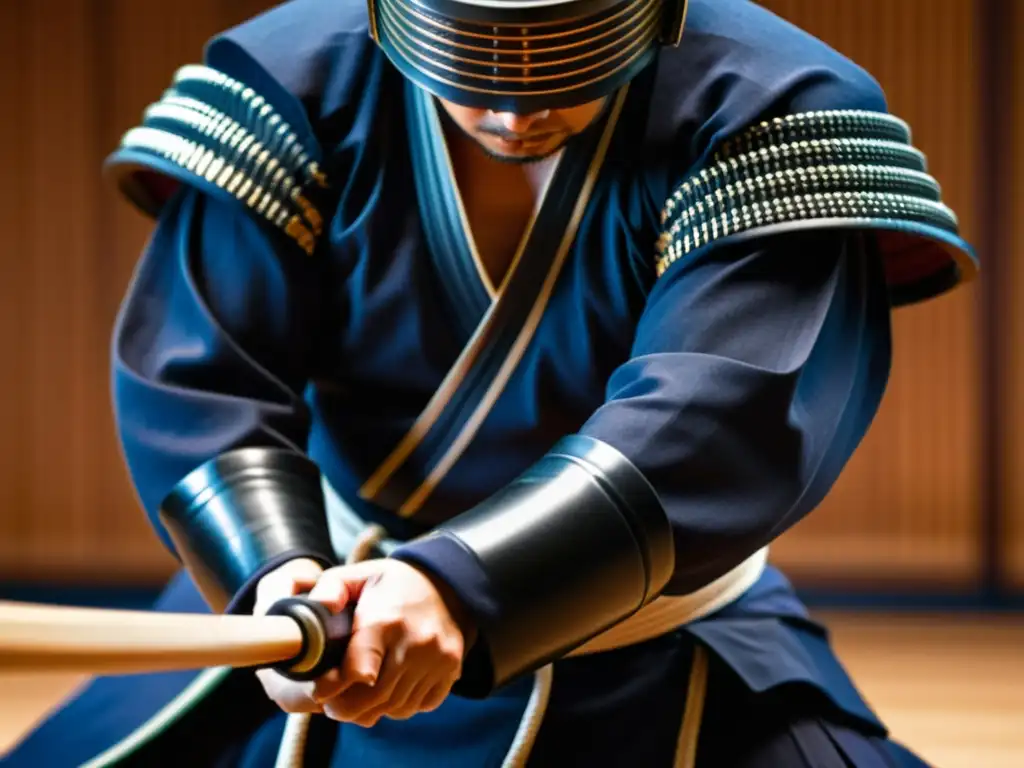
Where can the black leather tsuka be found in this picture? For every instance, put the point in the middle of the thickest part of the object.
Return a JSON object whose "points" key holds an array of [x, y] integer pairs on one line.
{"points": [[241, 514], [573, 546]]}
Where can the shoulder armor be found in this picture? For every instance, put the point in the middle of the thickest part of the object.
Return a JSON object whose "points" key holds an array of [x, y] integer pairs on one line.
{"points": [[216, 133], [842, 169]]}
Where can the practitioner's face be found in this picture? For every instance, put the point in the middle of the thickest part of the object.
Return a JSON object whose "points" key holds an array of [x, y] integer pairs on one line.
{"points": [[523, 138]]}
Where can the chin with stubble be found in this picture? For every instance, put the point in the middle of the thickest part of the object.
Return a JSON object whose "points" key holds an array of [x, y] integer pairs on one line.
{"points": [[513, 138], [509, 147]]}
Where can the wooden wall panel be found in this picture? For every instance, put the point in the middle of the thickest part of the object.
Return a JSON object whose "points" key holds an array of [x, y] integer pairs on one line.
{"points": [[15, 487], [83, 70], [1013, 342], [909, 506], [79, 72]]}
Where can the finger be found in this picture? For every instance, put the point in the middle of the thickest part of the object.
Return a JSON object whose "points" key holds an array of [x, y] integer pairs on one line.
{"points": [[403, 702], [331, 590], [364, 658], [335, 587], [290, 696], [435, 697], [389, 707], [328, 685], [364, 708], [295, 576], [427, 696], [353, 702]]}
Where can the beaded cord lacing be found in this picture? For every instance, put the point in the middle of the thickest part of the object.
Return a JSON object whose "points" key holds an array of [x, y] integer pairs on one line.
{"points": [[217, 128], [839, 164]]}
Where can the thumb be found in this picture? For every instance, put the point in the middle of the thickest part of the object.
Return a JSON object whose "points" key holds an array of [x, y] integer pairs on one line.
{"points": [[337, 587], [291, 578]]}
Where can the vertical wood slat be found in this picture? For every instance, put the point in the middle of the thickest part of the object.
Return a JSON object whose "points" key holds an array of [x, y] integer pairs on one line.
{"points": [[61, 324], [908, 508], [83, 71], [15, 487], [1013, 341]]}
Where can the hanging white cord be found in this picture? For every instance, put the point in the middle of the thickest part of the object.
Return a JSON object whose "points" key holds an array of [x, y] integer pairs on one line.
{"points": [[693, 710], [292, 752], [522, 744]]}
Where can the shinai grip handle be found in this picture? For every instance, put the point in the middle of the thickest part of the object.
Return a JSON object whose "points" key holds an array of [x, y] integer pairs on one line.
{"points": [[325, 637]]}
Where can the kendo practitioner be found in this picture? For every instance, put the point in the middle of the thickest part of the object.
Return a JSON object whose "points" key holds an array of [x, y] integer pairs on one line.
{"points": [[525, 328]]}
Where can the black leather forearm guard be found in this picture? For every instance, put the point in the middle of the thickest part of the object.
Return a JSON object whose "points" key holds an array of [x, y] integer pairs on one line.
{"points": [[573, 546], [242, 514]]}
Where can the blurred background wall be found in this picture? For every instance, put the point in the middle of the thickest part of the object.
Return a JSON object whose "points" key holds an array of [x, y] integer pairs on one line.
{"points": [[932, 503]]}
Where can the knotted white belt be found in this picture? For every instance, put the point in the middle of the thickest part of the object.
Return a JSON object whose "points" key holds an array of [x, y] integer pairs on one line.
{"points": [[663, 614], [351, 542], [352, 539]]}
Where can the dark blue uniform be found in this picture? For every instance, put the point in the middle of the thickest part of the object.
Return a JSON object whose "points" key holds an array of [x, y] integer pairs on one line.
{"points": [[738, 377]]}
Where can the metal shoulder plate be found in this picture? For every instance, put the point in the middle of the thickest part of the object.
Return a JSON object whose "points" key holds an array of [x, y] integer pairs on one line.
{"points": [[843, 169], [215, 133]]}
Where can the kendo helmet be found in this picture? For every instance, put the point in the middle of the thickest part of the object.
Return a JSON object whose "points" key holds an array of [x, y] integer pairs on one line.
{"points": [[523, 56]]}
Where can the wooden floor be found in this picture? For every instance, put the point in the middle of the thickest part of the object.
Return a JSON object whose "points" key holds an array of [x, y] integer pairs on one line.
{"points": [[952, 688]]}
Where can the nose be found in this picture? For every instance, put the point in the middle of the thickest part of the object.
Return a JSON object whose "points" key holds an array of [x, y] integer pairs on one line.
{"points": [[521, 123]]}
